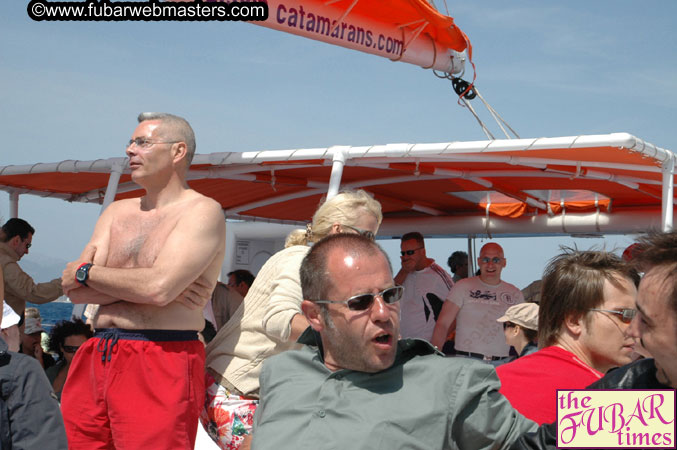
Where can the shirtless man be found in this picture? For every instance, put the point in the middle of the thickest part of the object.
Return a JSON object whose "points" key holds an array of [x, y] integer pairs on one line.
{"points": [[151, 264]]}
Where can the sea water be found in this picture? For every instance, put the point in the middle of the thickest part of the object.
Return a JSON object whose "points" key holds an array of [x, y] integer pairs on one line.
{"points": [[53, 312]]}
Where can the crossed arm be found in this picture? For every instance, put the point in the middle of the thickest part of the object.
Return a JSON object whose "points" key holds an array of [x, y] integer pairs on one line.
{"points": [[180, 271]]}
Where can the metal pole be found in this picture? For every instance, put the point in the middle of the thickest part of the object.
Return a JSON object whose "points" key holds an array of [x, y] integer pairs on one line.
{"points": [[339, 161], [13, 205], [667, 203], [111, 190], [471, 259]]}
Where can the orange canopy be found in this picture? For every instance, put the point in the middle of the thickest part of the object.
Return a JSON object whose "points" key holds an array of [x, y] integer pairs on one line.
{"points": [[608, 183]]}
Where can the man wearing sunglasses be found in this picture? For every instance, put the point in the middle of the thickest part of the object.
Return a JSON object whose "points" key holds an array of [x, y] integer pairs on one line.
{"points": [[587, 304], [426, 285], [16, 238], [475, 303], [654, 324], [355, 385]]}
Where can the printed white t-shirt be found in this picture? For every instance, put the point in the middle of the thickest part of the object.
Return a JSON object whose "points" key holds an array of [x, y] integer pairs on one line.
{"points": [[480, 305]]}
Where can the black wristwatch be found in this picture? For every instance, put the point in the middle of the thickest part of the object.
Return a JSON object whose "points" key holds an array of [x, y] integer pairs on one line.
{"points": [[82, 274]]}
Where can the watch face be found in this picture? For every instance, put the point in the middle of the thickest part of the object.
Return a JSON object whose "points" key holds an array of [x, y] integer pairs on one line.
{"points": [[81, 273]]}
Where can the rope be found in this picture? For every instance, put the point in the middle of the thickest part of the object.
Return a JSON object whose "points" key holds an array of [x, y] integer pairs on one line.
{"points": [[416, 33], [402, 52], [486, 225], [468, 91], [339, 21], [432, 64], [108, 341], [484, 127], [497, 117]]}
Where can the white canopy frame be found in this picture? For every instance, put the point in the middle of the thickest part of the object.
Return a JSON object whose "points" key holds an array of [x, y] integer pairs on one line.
{"points": [[244, 166]]}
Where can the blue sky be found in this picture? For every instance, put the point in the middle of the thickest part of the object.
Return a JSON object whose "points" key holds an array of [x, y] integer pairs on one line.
{"points": [[72, 90]]}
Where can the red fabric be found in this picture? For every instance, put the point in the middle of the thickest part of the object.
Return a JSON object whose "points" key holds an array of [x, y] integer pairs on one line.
{"points": [[148, 396], [530, 383]]}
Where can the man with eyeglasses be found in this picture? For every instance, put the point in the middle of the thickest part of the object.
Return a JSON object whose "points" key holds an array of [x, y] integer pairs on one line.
{"points": [[355, 385], [426, 285], [475, 303], [587, 304], [151, 265], [16, 239], [654, 325]]}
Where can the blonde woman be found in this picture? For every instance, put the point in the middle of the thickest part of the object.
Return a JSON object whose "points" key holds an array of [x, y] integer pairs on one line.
{"points": [[270, 320]]}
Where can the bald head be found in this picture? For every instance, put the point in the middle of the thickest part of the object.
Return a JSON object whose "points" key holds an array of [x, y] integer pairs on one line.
{"points": [[492, 247], [491, 263]]}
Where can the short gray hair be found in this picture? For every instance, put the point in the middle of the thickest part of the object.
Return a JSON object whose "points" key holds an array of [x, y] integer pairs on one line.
{"points": [[174, 128], [316, 281]]}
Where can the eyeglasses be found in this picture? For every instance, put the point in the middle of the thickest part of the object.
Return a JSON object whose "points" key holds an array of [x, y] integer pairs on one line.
{"points": [[495, 260], [142, 142], [364, 301], [626, 314], [366, 233], [410, 252], [70, 348], [28, 246], [507, 325]]}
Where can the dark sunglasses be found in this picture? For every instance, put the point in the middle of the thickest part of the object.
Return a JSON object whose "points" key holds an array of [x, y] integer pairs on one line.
{"points": [[507, 325], [70, 348], [364, 301], [410, 252], [626, 314], [495, 260], [366, 233]]}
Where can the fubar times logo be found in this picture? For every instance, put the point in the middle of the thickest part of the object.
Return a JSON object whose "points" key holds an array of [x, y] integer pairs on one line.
{"points": [[616, 418]]}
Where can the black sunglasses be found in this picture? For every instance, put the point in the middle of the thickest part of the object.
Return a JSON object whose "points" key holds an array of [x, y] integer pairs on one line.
{"points": [[495, 260], [626, 314], [366, 233], [410, 252], [70, 348], [364, 301]]}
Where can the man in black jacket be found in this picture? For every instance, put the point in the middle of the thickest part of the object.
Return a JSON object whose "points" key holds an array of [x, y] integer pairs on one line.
{"points": [[656, 322], [29, 412], [655, 325]]}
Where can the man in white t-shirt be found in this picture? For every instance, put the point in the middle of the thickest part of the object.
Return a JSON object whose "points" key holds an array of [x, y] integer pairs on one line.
{"points": [[426, 285], [475, 303]]}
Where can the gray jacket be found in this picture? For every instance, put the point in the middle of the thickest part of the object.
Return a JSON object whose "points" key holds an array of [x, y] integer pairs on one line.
{"points": [[30, 417], [423, 401]]}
